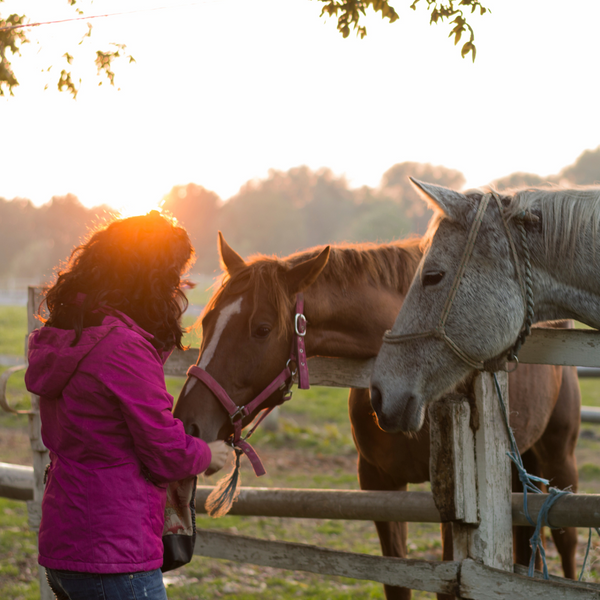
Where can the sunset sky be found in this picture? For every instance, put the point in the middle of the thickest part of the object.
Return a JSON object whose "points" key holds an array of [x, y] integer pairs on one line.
{"points": [[223, 90]]}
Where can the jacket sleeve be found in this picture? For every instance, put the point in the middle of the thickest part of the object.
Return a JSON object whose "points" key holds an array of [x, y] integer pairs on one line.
{"points": [[134, 374]]}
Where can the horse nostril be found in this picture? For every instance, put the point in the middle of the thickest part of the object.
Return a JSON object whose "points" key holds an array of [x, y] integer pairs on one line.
{"points": [[193, 430], [376, 399]]}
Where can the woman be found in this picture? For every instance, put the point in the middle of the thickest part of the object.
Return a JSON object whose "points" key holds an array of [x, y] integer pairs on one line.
{"points": [[97, 365]]}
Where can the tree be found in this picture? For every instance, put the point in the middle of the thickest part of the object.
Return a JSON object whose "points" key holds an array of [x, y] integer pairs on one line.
{"points": [[584, 171], [350, 12], [197, 209], [520, 180], [35, 240], [396, 184], [15, 28], [14, 33]]}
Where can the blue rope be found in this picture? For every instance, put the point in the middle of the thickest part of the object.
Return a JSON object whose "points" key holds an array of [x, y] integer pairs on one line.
{"points": [[587, 550], [553, 495]]}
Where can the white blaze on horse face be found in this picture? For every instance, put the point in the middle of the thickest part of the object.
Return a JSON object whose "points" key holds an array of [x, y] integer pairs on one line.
{"points": [[231, 309]]}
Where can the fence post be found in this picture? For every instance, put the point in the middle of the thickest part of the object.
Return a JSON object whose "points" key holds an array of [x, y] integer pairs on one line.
{"points": [[40, 452], [471, 475]]}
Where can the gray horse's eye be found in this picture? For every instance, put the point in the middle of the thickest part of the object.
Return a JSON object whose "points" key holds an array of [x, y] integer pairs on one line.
{"points": [[432, 277]]}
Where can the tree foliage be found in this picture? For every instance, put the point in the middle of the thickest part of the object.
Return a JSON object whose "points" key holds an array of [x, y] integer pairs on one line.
{"points": [[396, 184], [15, 32], [584, 171], [520, 180], [282, 213], [350, 14]]}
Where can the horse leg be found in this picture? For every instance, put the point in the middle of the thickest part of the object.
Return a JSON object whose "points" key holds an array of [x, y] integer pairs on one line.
{"points": [[556, 453], [522, 535], [566, 538], [447, 553], [392, 535]]}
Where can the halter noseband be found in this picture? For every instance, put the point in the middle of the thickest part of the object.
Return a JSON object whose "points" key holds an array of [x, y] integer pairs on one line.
{"points": [[283, 382], [439, 331]]}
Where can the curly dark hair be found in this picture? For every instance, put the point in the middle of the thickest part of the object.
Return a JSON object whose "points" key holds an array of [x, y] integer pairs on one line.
{"points": [[134, 265]]}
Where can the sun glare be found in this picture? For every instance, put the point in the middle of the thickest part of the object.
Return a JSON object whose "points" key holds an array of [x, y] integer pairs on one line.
{"points": [[141, 207]]}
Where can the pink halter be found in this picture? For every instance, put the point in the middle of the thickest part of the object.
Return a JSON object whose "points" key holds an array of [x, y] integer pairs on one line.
{"points": [[283, 381]]}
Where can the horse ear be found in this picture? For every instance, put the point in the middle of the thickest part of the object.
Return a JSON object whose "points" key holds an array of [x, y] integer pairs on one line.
{"points": [[231, 261], [452, 204], [303, 275]]}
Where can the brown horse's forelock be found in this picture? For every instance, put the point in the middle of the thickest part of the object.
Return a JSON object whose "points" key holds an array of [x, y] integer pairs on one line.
{"points": [[388, 265], [260, 272]]}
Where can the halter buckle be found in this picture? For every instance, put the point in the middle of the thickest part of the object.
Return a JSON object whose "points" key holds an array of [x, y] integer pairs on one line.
{"points": [[514, 358], [295, 371], [297, 323], [238, 415]]}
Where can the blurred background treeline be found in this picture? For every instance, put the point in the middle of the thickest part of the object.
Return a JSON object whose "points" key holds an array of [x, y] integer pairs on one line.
{"points": [[285, 212]]}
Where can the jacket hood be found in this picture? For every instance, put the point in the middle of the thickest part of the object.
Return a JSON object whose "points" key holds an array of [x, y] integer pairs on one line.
{"points": [[52, 360]]}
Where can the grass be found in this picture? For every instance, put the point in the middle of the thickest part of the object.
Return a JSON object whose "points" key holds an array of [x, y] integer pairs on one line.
{"points": [[13, 325], [312, 448], [590, 392]]}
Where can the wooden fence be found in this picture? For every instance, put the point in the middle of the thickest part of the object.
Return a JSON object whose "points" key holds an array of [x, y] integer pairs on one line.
{"points": [[473, 494]]}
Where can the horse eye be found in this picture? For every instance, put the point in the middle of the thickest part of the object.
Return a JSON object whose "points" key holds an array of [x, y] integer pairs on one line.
{"points": [[432, 277], [262, 331]]}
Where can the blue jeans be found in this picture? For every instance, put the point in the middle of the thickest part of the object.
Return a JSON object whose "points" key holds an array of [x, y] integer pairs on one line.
{"points": [[71, 585]]}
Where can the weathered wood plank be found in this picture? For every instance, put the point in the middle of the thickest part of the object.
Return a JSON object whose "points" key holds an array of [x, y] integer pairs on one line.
{"points": [[523, 570], [574, 510], [180, 361], [492, 541], [332, 372], [41, 455], [571, 510], [452, 460], [480, 582], [414, 507], [436, 577], [577, 347], [590, 414], [4, 404], [16, 482]]}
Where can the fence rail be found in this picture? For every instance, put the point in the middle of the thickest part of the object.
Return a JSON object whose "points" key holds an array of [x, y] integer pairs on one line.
{"points": [[574, 510]]}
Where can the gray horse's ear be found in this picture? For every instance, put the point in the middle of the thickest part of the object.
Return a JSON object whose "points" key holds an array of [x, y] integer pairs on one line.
{"points": [[452, 204], [303, 275], [231, 261]]}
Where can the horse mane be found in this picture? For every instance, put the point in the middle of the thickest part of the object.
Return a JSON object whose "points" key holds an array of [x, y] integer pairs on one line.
{"points": [[387, 265], [566, 214], [562, 211]]}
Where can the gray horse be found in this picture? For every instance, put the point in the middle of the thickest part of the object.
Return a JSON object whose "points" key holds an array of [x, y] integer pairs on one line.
{"points": [[493, 265]]}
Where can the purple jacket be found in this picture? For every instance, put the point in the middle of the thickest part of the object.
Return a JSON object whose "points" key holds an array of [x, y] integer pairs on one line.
{"points": [[107, 421]]}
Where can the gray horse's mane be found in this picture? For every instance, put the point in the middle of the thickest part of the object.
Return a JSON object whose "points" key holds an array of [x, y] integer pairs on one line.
{"points": [[566, 214]]}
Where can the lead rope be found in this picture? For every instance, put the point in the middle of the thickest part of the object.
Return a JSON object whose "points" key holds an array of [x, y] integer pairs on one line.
{"points": [[528, 485], [226, 491]]}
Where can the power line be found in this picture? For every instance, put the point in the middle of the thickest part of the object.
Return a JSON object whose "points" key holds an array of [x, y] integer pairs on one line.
{"points": [[12, 27]]}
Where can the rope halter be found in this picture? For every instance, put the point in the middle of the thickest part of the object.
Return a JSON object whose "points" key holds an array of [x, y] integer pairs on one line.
{"points": [[526, 286]]}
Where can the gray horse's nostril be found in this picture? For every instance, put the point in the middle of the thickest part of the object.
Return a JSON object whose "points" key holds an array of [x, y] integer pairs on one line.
{"points": [[193, 430], [376, 399]]}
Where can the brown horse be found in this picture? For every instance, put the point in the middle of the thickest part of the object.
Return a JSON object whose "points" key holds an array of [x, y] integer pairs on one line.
{"points": [[352, 296]]}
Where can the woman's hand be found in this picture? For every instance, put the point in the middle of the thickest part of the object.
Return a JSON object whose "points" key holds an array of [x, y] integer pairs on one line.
{"points": [[220, 452]]}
